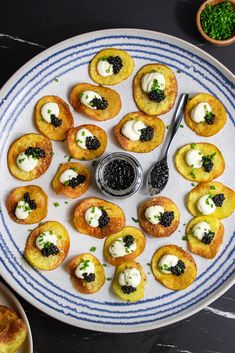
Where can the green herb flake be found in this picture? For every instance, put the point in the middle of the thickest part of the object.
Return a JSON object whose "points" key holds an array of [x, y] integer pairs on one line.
{"points": [[93, 249], [109, 279], [74, 169], [212, 187], [66, 202], [135, 220], [56, 80], [192, 173], [193, 145], [56, 204], [184, 237], [193, 184], [182, 126]]}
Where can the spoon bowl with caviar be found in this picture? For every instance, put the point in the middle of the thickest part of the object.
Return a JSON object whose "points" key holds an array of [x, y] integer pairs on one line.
{"points": [[158, 175]]}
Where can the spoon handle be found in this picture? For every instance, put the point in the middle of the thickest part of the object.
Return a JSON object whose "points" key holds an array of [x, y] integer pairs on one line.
{"points": [[177, 119]]}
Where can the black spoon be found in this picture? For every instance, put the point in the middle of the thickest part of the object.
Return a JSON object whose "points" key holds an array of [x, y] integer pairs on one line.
{"points": [[158, 175]]}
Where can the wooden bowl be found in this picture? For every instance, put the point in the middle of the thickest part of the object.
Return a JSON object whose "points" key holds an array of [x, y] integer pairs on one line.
{"points": [[225, 42]]}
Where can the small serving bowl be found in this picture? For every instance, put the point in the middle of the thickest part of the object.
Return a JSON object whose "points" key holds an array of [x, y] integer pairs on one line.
{"points": [[119, 194], [225, 42]]}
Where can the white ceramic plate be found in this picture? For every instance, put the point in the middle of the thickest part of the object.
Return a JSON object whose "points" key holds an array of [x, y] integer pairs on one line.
{"points": [[55, 71], [9, 300]]}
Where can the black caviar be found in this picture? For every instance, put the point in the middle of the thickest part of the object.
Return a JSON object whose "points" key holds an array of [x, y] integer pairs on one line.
{"points": [[92, 143], [210, 118], [74, 182], [128, 289], [104, 219], [166, 218], [119, 174], [208, 237], [178, 269], [159, 175], [157, 95], [146, 134], [32, 204], [116, 61], [55, 121], [89, 277], [49, 249], [98, 103], [218, 200], [128, 240], [35, 152], [207, 164]]}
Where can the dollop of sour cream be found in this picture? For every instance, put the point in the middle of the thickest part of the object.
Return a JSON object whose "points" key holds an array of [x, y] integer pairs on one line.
{"points": [[81, 136], [88, 96], [148, 81], [130, 277], [167, 261], [194, 158], [22, 210], [118, 248], [68, 175], [153, 213], [46, 237], [26, 163], [49, 109], [104, 68], [92, 216], [85, 266], [199, 111], [132, 129], [206, 205], [200, 229]]}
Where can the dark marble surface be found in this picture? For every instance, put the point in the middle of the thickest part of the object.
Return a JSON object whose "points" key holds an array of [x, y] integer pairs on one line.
{"points": [[26, 28]]}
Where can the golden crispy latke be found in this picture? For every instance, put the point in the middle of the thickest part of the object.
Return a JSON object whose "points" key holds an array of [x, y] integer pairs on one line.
{"points": [[203, 129], [172, 281], [141, 98], [140, 245], [158, 230], [199, 174], [85, 154], [113, 98], [54, 133], [20, 145], [123, 74], [36, 193], [116, 214], [138, 146], [80, 284], [139, 293]]}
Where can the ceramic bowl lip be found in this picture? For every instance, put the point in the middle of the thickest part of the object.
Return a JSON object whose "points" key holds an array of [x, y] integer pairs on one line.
{"points": [[225, 42], [119, 194]]}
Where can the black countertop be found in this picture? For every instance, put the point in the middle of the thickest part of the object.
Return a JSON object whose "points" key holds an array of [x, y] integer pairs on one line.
{"points": [[26, 28]]}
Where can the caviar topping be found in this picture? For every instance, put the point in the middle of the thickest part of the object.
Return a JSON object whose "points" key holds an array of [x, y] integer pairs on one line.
{"points": [[147, 134], [55, 121], [104, 219], [89, 277], [128, 289], [209, 118], [32, 204], [178, 269], [208, 237], [207, 163], [92, 143], [98, 103], [218, 200], [128, 240], [166, 218], [35, 152], [49, 249], [119, 175], [156, 94], [116, 62], [74, 182]]}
